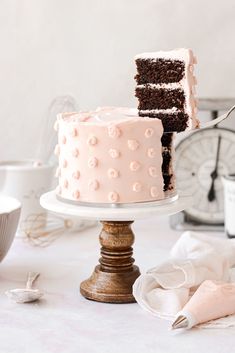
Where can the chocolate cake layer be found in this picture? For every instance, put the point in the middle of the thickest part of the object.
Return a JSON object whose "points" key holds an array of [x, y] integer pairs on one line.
{"points": [[166, 156], [159, 71], [167, 140], [152, 98], [171, 122], [167, 178]]}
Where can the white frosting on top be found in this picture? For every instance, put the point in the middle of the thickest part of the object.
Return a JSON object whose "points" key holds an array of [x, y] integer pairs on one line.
{"points": [[161, 111], [173, 85], [176, 54], [100, 115]]}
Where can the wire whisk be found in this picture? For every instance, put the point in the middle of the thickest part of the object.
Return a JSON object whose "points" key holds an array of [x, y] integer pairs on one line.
{"points": [[44, 228]]}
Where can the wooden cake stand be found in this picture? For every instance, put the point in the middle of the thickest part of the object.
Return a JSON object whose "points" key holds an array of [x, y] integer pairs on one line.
{"points": [[112, 279]]}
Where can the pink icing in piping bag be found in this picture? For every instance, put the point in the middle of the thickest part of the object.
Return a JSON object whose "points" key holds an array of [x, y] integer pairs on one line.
{"points": [[211, 301]]}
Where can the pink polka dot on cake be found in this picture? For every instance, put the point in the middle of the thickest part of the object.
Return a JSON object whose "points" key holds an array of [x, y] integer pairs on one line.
{"points": [[113, 131], [149, 132], [66, 184], [92, 140], [153, 172], [154, 191], [73, 132], [133, 145], [151, 152], [137, 187], [112, 173], [93, 185], [76, 175], [75, 152], [92, 162], [76, 194], [114, 153], [134, 166], [113, 196]]}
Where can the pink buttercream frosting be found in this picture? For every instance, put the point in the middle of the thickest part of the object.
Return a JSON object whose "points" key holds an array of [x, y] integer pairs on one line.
{"points": [[73, 132], [92, 140], [76, 174], [133, 144], [93, 185], [137, 187], [149, 132], [154, 191], [113, 173], [92, 162], [113, 196], [113, 131], [153, 171], [75, 152], [114, 156], [76, 194], [212, 300], [114, 153], [151, 152], [134, 166]]}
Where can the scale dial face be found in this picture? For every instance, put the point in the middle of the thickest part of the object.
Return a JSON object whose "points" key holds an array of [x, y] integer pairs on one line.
{"points": [[195, 161]]}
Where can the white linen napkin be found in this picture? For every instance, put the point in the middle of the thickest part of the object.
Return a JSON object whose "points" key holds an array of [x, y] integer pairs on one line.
{"points": [[195, 257]]}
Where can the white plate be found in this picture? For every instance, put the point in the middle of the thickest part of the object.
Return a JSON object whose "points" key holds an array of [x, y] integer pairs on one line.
{"points": [[125, 213]]}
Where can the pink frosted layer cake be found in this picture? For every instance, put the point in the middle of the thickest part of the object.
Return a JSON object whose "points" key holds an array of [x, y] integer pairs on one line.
{"points": [[166, 88], [109, 156]]}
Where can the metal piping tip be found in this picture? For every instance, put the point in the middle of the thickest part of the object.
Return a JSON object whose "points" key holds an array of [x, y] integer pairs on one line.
{"points": [[180, 322]]}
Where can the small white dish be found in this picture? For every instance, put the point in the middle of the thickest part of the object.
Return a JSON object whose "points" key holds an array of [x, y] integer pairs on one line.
{"points": [[9, 219]]}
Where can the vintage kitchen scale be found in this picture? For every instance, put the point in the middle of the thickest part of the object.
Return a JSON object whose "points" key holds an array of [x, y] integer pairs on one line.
{"points": [[201, 159], [112, 280]]}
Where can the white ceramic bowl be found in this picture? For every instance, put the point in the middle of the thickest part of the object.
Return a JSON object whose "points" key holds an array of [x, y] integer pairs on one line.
{"points": [[9, 218], [26, 181]]}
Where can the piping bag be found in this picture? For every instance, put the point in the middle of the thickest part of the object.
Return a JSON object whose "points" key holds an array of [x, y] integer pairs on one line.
{"points": [[212, 300]]}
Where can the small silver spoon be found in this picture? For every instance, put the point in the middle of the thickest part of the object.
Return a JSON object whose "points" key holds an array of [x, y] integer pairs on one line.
{"points": [[28, 294]]}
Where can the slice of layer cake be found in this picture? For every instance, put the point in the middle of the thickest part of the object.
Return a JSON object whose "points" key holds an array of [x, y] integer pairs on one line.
{"points": [[166, 88], [109, 156]]}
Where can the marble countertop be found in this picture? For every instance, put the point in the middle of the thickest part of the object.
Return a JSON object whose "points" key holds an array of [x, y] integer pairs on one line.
{"points": [[66, 322]]}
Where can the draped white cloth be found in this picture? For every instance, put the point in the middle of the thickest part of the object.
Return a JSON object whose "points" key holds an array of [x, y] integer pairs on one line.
{"points": [[195, 257]]}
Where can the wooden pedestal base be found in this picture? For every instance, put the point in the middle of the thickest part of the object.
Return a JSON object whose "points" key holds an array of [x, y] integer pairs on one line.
{"points": [[112, 280]]}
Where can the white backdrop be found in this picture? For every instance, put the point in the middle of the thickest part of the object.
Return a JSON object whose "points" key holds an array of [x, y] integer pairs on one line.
{"points": [[86, 47]]}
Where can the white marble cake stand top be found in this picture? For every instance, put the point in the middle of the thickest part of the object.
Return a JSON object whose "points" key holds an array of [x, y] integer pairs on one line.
{"points": [[50, 202]]}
